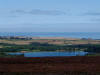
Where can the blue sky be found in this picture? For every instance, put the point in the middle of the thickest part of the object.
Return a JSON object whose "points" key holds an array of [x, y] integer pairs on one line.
{"points": [[49, 15]]}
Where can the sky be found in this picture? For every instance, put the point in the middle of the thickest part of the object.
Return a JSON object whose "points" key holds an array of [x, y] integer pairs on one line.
{"points": [[49, 15]]}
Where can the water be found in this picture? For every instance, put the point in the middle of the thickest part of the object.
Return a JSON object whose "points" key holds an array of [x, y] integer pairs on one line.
{"points": [[94, 35], [51, 54]]}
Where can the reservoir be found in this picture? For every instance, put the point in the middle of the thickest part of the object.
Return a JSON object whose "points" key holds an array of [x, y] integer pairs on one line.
{"points": [[50, 54]]}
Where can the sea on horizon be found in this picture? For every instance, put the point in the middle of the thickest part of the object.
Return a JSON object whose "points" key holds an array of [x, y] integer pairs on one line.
{"points": [[93, 35]]}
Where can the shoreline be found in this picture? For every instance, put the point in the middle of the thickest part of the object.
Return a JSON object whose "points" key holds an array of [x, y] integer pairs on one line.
{"points": [[93, 35], [45, 38]]}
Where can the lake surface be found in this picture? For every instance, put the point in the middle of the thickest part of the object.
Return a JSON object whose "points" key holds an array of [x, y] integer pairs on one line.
{"points": [[50, 54], [94, 35]]}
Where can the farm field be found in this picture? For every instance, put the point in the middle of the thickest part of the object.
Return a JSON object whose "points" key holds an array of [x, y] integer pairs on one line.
{"points": [[50, 40], [48, 44]]}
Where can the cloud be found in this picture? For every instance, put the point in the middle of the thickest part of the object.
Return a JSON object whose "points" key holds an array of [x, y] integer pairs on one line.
{"points": [[92, 13], [18, 11], [96, 20], [40, 12]]}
